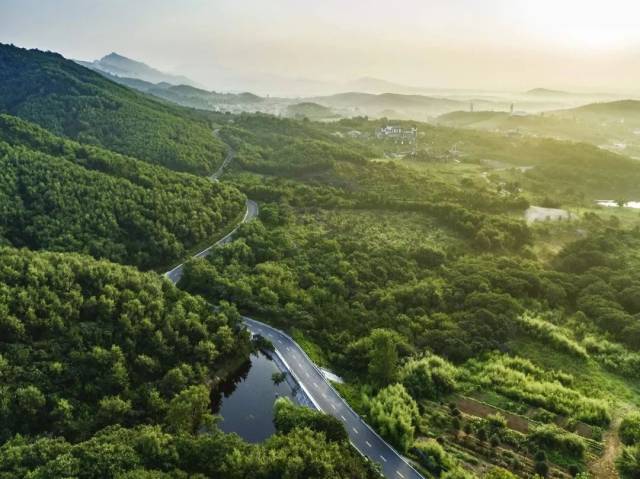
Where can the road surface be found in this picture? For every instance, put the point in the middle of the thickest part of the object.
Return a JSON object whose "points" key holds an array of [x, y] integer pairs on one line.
{"points": [[326, 399], [250, 213], [228, 159]]}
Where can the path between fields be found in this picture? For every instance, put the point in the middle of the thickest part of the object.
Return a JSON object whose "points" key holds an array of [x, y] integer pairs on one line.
{"points": [[605, 466]]}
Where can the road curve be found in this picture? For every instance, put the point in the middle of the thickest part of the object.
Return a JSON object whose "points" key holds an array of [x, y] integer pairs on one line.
{"points": [[327, 400], [231, 154], [250, 213]]}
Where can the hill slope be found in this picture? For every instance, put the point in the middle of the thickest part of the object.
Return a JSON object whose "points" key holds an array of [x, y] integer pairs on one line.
{"points": [[76, 102], [59, 195]]}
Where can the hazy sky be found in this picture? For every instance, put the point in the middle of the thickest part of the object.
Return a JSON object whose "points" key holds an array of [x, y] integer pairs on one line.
{"points": [[255, 44]]}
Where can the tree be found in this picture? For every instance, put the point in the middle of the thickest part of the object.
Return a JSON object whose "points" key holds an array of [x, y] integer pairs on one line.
{"points": [[29, 400], [394, 413], [278, 377], [383, 357], [429, 377], [113, 410], [188, 412], [287, 417]]}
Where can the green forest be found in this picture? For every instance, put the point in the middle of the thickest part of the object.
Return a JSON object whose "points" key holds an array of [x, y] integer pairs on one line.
{"points": [[65, 196], [75, 102], [477, 342]]}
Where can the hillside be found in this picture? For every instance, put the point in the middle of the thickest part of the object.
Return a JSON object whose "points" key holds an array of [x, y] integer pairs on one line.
{"points": [[78, 103], [310, 110], [613, 126], [621, 110], [460, 331], [60, 195]]}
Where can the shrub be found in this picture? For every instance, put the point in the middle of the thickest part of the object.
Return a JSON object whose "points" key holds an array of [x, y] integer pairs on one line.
{"points": [[432, 456], [554, 335], [552, 437], [429, 377], [630, 429], [394, 414], [628, 463], [541, 468]]}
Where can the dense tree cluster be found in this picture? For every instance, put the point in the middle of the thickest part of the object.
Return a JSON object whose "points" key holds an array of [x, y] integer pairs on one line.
{"points": [[73, 101], [85, 344], [269, 145], [60, 195], [304, 451]]}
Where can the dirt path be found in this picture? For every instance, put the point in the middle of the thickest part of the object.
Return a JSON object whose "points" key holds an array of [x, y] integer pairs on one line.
{"points": [[605, 466]]}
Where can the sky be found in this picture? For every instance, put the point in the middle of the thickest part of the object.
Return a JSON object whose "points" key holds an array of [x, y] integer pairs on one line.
{"points": [[304, 46]]}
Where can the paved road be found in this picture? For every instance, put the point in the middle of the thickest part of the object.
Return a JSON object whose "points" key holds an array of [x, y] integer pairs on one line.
{"points": [[326, 399], [251, 212], [228, 159]]}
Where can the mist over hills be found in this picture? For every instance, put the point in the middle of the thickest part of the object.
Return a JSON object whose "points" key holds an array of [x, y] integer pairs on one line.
{"points": [[121, 66], [368, 96]]}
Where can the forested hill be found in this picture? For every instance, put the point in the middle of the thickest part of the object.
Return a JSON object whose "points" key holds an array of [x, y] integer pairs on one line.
{"points": [[106, 373], [60, 195], [85, 344], [74, 101]]}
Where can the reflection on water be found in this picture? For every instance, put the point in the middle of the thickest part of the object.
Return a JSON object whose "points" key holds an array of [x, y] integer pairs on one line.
{"points": [[245, 401]]}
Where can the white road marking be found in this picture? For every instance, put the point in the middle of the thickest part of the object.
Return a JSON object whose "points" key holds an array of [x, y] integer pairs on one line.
{"points": [[315, 385], [355, 430], [343, 418], [300, 365], [333, 406], [400, 474], [368, 443], [382, 457]]}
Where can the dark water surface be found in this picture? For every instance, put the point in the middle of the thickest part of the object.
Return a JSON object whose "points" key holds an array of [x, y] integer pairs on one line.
{"points": [[245, 401]]}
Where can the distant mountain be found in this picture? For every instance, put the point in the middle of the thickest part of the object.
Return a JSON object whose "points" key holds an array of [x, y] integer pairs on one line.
{"points": [[417, 107], [548, 93], [121, 66], [187, 95], [78, 103], [377, 85], [310, 110], [620, 109]]}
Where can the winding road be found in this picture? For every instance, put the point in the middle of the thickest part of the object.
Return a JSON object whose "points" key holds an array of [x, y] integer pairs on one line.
{"points": [[324, 397], [250, 213]]}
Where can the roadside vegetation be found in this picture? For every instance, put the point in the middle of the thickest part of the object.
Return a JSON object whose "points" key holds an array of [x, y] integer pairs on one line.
{"points": [[423, 289]]}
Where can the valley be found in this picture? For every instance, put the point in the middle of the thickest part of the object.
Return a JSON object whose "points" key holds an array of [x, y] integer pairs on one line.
{"points": [[474, 287]]}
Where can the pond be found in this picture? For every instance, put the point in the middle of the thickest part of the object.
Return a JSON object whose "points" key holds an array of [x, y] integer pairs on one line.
{"points": [[245, 401]]}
